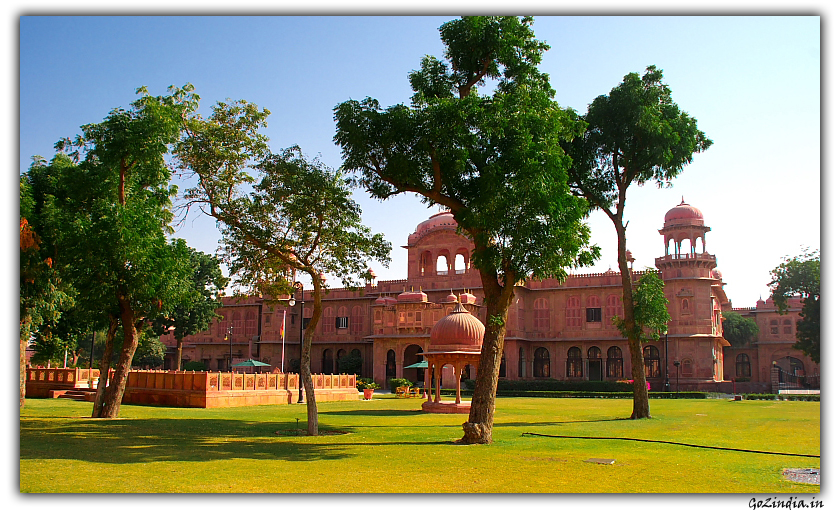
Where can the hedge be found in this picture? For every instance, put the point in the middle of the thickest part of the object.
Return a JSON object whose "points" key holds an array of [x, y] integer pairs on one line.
{"points": [[785, 396], [557, 385], [583, 394]]}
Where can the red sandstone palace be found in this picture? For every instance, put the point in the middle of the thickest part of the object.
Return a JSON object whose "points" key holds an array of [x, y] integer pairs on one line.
{"points": [[555, 330]]}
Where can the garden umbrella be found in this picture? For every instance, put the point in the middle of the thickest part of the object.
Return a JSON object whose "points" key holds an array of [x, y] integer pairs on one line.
{"points": [[419, 364], [251, 363]]}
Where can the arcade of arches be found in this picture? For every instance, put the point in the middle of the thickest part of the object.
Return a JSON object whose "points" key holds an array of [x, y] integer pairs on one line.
{"points": [[561, 331]]}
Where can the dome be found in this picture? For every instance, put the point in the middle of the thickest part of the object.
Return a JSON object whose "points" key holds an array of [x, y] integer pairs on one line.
{"points": [[716, 274], [458, 330], [451, 298], [441, 219], [684, 214], [467, 298]]}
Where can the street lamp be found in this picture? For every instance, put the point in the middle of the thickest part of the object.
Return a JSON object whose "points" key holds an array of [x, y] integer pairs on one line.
{"points": [[230, 344], [667, 379], [677, 364], [300, 365]]}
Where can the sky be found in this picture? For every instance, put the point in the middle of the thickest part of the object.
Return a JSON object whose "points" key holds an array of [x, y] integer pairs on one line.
{"points": [[752, 83]]}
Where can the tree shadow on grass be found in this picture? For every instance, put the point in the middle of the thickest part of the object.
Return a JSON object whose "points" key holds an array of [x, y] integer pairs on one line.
{"points": [[374, 412], [545, 423], [162, 440]]}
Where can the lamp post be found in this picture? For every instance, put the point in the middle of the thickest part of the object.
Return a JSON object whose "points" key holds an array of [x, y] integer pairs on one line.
{"points": [[300, 365], [230, 344], [677, 364], [667, 379]]}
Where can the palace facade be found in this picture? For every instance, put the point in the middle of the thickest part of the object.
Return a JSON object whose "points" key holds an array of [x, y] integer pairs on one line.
{"points": [[554, 330]]}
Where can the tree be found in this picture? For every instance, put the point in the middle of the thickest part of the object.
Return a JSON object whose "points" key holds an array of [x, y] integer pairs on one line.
{"points": [[650, 309], [800, 277], [196, 313], [634, 135], [115, 208], [738, 330], [351, 364], [44, 293], [493, 160], [298, 218]]}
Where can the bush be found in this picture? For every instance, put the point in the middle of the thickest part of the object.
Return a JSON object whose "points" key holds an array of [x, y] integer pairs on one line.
{"points": [[362, 382], [583, 394], [396, 383], [786, 396], [196, 366], [350, 364], [555, 385]]}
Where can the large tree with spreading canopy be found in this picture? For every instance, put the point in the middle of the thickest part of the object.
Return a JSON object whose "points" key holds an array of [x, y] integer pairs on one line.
{"points": [[800, 277], [481, 139], [634, 135]]}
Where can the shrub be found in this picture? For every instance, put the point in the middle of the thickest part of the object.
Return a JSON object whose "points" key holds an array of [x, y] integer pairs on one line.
{"points": [[555, 385], [194, 365], [584, 394], [396, 383], [362, 382], [350, 364]]}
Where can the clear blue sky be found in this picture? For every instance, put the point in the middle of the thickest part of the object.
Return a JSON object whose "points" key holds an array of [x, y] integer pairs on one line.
{"points": [[753, 83]]}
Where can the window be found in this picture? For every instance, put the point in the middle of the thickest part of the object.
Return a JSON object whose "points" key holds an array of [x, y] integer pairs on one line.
{"points": [[686, 368], [574, 363], [327, 362], [774, 327], [573, 312], [391, 364], [593, 315], [356, 320], [787, 327], [742, 366], [237, 324], [542, 363], [251, 323], [593, 353], [503, 367], [615, 363], [443, 264], [342, 322], [541, 314], [684, 309], [328, 324], [460, 263], [651, 354], [613, 306]]}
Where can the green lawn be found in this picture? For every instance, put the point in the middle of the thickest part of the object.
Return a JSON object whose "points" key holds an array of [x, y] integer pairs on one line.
{"points": [[390, 446]]}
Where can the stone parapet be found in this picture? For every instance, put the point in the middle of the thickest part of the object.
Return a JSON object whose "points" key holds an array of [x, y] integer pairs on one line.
{"points": [[39, 381]]}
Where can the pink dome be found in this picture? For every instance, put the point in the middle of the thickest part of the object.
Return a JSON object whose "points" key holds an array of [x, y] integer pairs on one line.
{"points": [[413, 297], [684, 214], [458, 330], [717, 274], [467, 298], [441, 219], [451, 298]]}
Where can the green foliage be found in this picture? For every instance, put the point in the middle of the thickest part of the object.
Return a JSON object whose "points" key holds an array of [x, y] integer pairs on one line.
{"points": [[650, 309], [738, 330], [800, 276], [365, 382], [196, 366], [583, 394], [557, 385], [350, 364], [397, 382]]}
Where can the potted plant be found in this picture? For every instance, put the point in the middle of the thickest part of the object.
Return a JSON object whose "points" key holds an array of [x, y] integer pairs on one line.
{"points": [[368, 389]]}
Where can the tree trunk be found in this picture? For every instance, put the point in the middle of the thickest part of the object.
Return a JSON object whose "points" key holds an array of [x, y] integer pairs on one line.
{"points": [[25, 331], [641, 406], [179, 350], [116, 390], [105, 366], [306, 357], [479, 428]]}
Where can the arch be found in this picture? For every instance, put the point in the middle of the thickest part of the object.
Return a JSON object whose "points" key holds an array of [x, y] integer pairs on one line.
{"points": [[594, 364], [686, 368], [542, 363], [328, 320], [467, 372], [356, 321], [574, 362], [503, 366], [411, 355], [327, 365], [593, 301], [390, 365], [356, 352], [573, 312], [237, 323], [742, 366], [541, 314], [652, 361], [250, 323], [593, 352], [442, 263], [615, 363], [426, 263], [791, 365], [522, 362], [461, 261]]}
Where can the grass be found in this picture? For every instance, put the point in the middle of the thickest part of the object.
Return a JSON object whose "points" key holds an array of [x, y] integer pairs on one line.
{"points": [[390, 446]]}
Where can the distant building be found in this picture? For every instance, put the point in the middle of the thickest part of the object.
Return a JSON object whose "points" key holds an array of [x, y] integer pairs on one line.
{"points": [[561, 331]]}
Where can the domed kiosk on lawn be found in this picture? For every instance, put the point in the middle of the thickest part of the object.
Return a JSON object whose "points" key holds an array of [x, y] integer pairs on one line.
{"points": [[455, 340]]}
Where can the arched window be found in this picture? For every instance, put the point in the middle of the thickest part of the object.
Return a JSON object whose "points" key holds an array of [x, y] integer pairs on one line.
{"points": [[522, 362], [426, 263], [327, 366], [460, 263], [686, 368], [442, 263], [342, 321], [356, 321], [390, 365], [615, 363], [574, 363], [593, 353], [541, 314], [684, 309], [356, 353], [250, 323], [742, 366], [328, 321], [614, 306], [542, 363], [573, 312], [503, 366], [237, 324], [651, 353]]}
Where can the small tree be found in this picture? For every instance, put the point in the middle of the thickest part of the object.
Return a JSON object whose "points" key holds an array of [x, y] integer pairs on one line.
{"points": [[299, 217], [800, 277], [738, 330], [634, 135], [650, 309]]}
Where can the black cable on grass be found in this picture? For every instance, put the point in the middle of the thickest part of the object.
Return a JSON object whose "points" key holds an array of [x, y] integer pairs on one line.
{"points": [[672, 442]]}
